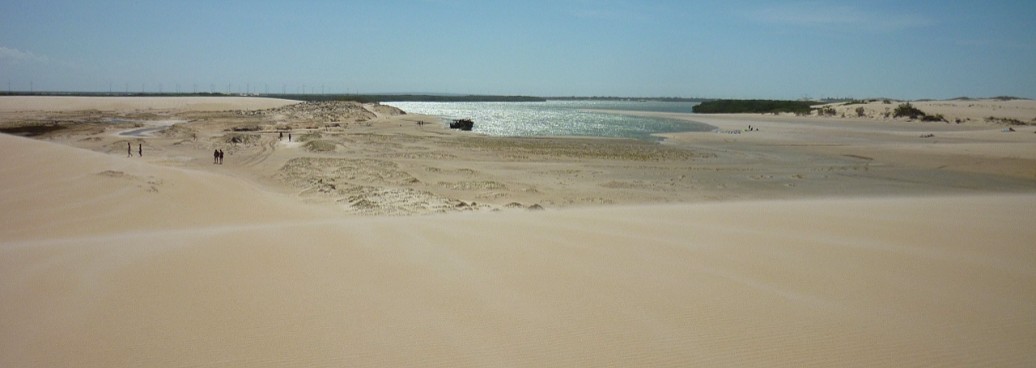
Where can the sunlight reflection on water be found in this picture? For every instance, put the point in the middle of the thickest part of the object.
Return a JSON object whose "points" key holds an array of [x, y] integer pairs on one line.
{"points": [[560, 118]]}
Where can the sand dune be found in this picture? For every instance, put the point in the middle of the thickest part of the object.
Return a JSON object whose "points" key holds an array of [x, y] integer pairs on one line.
{"points": [[58, 189], [112, 261], [71, 103]]}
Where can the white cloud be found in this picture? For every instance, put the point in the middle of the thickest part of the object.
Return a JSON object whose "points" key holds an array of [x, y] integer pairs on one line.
{"points": [[15, 56], [839, 16]]}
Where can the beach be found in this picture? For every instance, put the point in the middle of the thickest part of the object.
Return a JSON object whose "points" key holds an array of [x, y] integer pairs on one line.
{"points": [[379, 238]]}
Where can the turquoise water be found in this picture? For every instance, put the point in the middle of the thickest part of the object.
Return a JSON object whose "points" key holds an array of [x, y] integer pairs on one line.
{"points": [[560, 118]]}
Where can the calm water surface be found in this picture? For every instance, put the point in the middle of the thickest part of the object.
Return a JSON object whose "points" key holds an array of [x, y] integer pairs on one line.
{"points": [[561, 118]]}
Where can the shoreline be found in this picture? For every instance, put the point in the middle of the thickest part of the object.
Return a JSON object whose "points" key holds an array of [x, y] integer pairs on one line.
{"points": [[403, 165]]}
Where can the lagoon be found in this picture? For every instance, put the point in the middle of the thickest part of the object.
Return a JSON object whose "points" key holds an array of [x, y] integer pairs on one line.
{"points": [[581, 118]]}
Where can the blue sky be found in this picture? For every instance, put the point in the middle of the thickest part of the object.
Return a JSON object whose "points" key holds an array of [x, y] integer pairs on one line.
{"points": [[725, 49]]}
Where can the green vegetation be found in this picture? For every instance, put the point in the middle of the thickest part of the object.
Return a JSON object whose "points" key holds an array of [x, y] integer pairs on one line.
{"points": [[1006, 121], [31, 130], [826, 111], [753, 106], [936, 117], [246, 128], [908, 110]]}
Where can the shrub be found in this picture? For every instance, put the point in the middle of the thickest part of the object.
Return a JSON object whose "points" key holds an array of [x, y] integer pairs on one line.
{"points": [[752, 106], [908, 110], [912, 112], [826, 111], [1005, 121], [861, 112], [246, 128], [936, 117]]}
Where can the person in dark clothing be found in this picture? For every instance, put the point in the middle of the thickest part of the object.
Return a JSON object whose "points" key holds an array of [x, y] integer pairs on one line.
{"points": [[215, 157], [220, 157], [129, 149], [280, 136], [140, 150], [289, 137]]}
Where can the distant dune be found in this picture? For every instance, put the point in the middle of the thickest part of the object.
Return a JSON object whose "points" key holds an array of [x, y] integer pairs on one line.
{"points": [[62, 103], [953, 111]]}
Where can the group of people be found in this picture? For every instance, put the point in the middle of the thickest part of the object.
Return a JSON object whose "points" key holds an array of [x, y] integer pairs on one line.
{"points": [[217, 155]]}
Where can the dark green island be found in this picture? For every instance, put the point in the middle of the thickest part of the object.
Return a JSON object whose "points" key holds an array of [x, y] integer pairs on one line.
{"points": [[754, 106]]}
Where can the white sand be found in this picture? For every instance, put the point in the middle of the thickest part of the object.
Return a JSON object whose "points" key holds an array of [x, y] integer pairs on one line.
{"points": [[112, 261], [70, 103]]}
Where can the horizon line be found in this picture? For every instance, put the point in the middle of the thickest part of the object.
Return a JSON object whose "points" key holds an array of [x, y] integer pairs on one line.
{"points": [[445, 94]]}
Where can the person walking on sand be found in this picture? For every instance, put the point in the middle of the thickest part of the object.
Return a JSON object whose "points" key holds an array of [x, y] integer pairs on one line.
{"points": [[289, 137], [220, 157], [280, 137], [215, 157], [129, 149], [140, 149]]}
